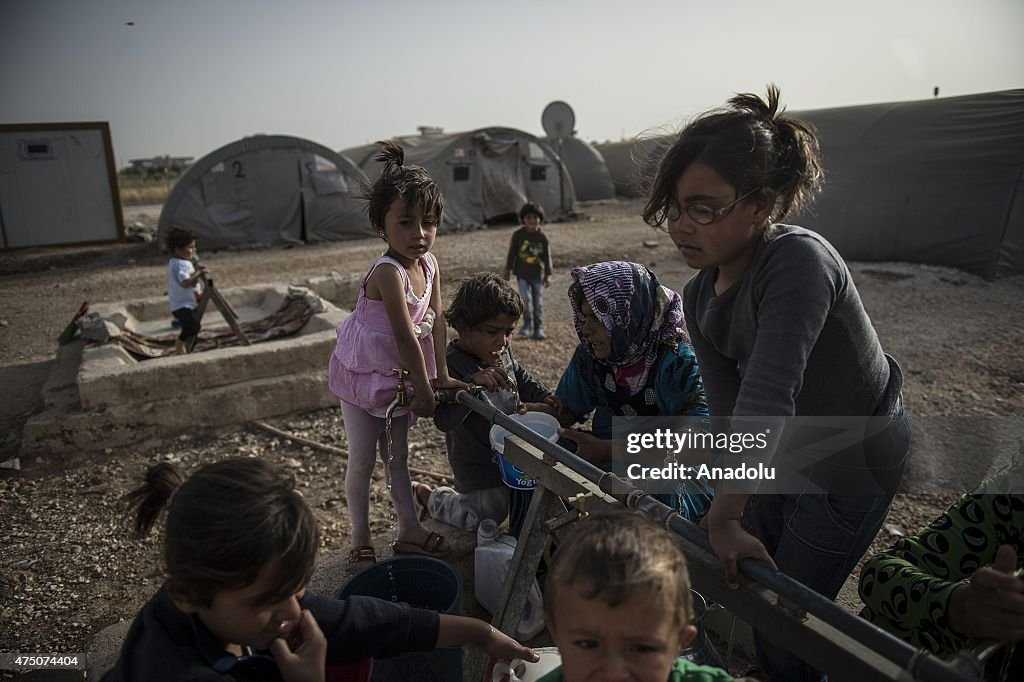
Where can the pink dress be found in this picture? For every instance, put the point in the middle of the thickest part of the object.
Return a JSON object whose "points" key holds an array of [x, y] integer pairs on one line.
{"points": [[361, 368]]}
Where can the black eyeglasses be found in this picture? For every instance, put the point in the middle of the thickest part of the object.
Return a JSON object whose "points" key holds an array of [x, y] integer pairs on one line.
{"points": [[701, 213]]}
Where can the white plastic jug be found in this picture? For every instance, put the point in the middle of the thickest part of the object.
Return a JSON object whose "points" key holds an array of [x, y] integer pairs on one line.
{"points": [[490, 569]]}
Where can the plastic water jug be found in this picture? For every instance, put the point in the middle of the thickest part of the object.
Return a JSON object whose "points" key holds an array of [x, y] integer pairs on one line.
{"points": [[490, 570]]}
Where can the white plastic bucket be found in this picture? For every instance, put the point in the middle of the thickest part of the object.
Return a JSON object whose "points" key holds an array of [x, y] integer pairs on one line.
{"points": [[541, 423], [519, 670]]}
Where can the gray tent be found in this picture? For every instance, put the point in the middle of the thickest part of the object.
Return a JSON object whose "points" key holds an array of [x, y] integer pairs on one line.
{"points": [[624, 160], [267, 189], [937, 181], [589, 172], [485, 174]]}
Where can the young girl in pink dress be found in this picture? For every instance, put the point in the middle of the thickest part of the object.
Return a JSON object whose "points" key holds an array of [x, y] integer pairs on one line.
{"points": [[392, 327]]}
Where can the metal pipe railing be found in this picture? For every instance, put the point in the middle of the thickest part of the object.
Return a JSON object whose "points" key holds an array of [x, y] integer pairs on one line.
{"points": [[920, 664]]}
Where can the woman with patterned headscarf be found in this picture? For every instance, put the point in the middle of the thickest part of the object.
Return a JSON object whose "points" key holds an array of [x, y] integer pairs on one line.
{"points": [[634, 359]]}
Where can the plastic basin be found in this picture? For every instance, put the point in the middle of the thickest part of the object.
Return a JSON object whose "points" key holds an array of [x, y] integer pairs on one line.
{"points": [[541, 423]]}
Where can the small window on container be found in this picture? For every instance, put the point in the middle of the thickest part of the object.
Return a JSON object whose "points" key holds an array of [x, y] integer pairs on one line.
{"points": [[36, 149], [460, 173], [538, 173]]}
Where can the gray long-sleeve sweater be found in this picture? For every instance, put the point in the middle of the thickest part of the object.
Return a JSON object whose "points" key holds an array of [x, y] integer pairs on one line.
{"points": [[791, 337]]}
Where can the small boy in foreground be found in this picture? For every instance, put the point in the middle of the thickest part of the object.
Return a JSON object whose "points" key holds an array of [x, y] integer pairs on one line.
{"points": [[617, 603]]}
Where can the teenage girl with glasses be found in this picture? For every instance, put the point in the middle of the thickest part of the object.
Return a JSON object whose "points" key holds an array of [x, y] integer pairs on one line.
{"points": [[779, 331]]}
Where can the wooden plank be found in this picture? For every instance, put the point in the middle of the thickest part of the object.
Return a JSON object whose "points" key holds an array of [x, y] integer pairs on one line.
{"points": [[204, 300], [210, 293], [229, 315]]}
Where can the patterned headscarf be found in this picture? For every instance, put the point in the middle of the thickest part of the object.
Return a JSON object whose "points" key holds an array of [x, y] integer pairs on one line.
{"points": [[638, 312]]}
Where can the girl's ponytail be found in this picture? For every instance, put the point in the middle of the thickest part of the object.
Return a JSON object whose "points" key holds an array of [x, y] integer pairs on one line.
{"points": [[149, 499], [794, 171], [391, 155], [756, 107], [399, 181], [753, 145]]}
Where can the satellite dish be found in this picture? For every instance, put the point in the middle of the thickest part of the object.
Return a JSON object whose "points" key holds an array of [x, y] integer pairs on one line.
{"points": [[558, 120]]}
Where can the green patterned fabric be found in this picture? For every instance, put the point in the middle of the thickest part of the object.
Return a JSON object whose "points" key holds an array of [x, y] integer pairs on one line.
{"points": [[906, 588]]}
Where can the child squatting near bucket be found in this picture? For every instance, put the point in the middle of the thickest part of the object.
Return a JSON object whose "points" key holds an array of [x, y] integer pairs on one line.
{"points": [[618, 604], [484, 311], [239, 547]]}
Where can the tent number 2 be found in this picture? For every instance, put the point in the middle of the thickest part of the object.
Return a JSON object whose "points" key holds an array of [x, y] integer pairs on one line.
{"points": [[237, 165]]}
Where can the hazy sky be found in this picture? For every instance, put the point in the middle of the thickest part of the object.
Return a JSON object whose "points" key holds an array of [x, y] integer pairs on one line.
{"points": [[190, 76]]}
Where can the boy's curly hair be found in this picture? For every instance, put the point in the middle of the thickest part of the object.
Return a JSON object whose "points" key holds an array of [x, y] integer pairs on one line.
{"points": [[617, 555], [178, 238], [481, 297]]}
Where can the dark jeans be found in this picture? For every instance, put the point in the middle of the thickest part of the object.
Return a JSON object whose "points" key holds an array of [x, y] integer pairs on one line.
{"points": [[189, 322], [817, 539]]}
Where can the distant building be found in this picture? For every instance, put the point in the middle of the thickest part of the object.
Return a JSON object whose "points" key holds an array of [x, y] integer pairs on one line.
{"points": [[158, 166]]}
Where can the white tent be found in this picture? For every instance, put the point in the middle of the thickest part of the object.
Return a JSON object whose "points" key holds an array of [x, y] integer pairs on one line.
{"points": [[268, 189]]}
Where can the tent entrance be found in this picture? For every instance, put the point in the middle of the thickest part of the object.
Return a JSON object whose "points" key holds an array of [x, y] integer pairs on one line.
{"points": [[502, 189]]}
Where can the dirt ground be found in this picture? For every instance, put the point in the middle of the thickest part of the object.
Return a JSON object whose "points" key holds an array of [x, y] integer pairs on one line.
{"points": [[67, 565]]}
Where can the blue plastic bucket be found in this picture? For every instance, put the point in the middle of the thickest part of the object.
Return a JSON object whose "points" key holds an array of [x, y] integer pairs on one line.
{"points": [[540, 422], [423, 582]]}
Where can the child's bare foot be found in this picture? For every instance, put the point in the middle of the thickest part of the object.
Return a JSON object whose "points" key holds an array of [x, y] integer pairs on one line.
{"points": [[420, 498], [179, 347]]}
